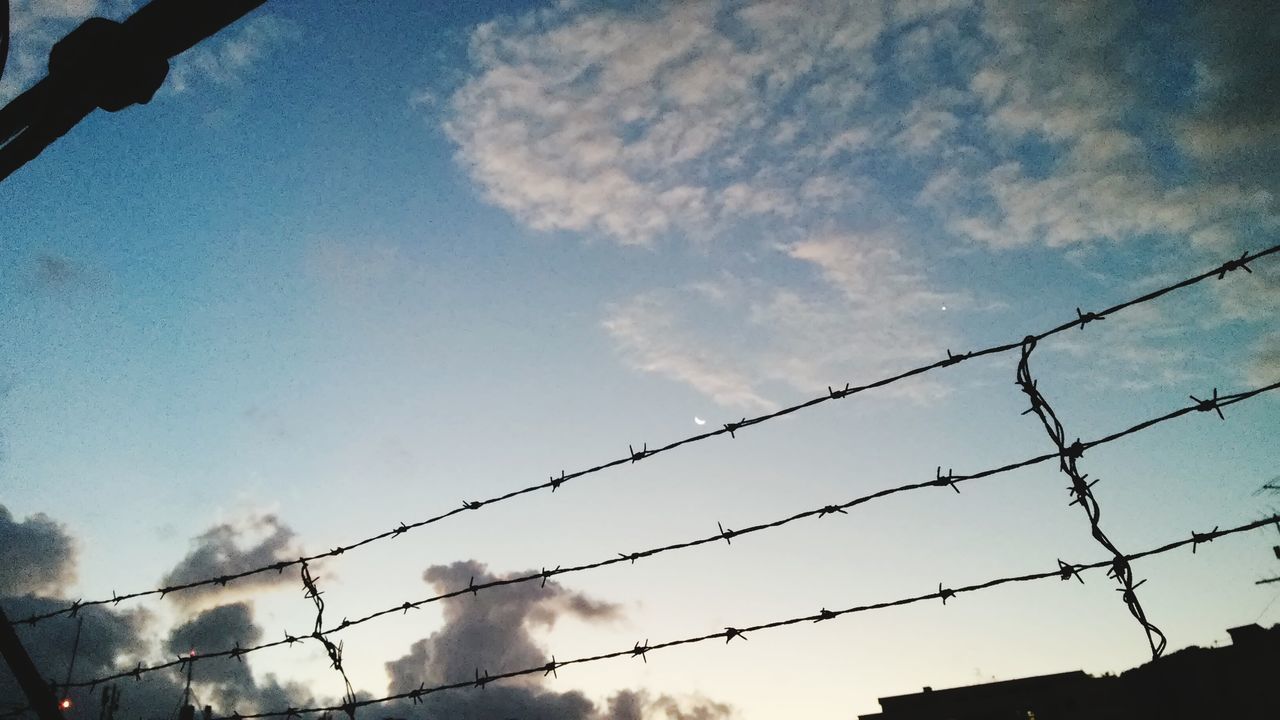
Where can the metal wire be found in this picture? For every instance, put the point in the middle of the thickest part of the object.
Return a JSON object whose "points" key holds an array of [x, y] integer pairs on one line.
{"points": [[1064, 571], [948, 480], [633, 456], [1082, 491], [333, 651]]}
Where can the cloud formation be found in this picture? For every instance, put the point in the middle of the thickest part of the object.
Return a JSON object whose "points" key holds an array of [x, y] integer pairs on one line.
{"points": [[744, 127], [674, 119], [231, 686], [221, 550], [639, 124], [37, 567], [865, 312], [495, 634], [225, 59], [37, 556]]}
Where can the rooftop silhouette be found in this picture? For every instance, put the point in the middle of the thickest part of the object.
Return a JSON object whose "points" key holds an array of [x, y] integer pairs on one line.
{"points": [[1236, 680]]}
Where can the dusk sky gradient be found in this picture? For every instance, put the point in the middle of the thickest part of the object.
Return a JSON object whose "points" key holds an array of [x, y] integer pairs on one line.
{"points": [[359, 262]]}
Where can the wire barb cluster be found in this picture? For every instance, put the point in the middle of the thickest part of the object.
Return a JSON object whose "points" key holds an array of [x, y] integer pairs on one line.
{"points": [[553, 483], [1082, 493], [312, 593], [642, 650]]}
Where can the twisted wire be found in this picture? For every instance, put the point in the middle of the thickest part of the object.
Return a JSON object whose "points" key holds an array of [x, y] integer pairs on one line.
{"points": [[1082, 492], [334, 651]]}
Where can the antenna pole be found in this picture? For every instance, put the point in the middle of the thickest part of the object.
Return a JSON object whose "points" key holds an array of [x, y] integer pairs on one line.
{"points": [[33, 686]]}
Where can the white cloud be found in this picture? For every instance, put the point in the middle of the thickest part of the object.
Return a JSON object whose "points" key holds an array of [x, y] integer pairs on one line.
{"points": [[843, 137], [1139, 349], [742, 342], [639, 124], [1264, 367], [925, 129], [225, 58], [654, 334], [1087, 203]]}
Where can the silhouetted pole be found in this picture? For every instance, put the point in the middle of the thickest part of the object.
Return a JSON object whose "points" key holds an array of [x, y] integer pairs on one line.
{"points": [[39, 696], [109, 65], [1268, 580]]}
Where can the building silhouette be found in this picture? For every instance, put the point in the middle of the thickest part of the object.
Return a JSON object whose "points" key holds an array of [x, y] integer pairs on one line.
{"points": [[1241, 680]]}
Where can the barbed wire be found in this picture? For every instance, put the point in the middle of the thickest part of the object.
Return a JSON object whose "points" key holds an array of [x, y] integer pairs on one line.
{"points": [[553, 483], [948, 480], [312, 592], [1082, 490], [1064, 571]]}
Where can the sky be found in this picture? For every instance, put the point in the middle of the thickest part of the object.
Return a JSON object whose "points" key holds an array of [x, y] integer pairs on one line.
{"points": [[357, 263]]}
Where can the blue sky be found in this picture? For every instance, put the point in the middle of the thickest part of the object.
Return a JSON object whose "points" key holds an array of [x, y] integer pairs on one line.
{"points": [[357, 263]]}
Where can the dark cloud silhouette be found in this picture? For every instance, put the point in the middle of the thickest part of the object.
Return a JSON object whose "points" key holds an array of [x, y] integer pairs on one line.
{"points": [[37, 565], [217, 629], [229, 685], [109, 641], [219, 551], [57, 272], [37, 557], [1235, 128], [492, 632]]}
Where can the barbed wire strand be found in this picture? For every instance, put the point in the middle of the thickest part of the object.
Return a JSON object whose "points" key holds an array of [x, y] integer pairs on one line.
{"points": [[553, 483], [949, 480], [1064, 571], [334, 651], [1082, 493]]}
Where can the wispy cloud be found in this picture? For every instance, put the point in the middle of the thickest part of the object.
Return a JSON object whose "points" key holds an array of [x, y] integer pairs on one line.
{"points": [[749, 127], [227, 58], [641, 124], [744, 342]]}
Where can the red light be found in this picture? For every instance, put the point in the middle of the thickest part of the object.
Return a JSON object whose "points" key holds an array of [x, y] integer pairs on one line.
{"points": [[65, 704]]}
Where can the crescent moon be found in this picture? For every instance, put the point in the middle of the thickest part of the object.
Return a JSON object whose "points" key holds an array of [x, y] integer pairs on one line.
{"points": [[699, 421]]}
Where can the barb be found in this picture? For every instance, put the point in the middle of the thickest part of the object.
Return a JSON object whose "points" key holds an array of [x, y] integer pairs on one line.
{"points": [[334, 651], [729, 633], [1082, 492], [950, 480], [633, 456]]}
